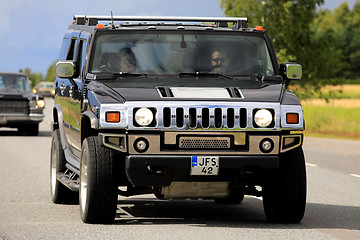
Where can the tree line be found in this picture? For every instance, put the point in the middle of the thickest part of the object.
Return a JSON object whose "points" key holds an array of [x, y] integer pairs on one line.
{"points": [[38, 77]]}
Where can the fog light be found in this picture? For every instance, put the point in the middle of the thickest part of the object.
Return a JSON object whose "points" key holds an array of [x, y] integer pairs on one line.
{"points": [[141, 145], [266, 145]]}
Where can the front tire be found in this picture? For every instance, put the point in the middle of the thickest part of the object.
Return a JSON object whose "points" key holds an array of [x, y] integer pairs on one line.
{"points": [[30, 129], [284, 197], [98, 188], [236, 196]]}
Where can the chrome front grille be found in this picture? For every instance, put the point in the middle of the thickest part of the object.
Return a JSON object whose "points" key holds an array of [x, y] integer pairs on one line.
{"points": [[204, 142], [204, 117], [190, 115], [14, 106]]}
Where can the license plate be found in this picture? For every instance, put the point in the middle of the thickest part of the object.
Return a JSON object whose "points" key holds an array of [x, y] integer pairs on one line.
{"points": [[204, 165]]}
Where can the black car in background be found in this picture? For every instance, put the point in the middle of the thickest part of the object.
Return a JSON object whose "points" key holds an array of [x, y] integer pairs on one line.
{"points": [[19, 107]]}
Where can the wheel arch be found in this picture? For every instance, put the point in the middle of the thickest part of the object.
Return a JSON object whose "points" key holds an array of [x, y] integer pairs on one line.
{"points": [[58, 123], [89, 125]]}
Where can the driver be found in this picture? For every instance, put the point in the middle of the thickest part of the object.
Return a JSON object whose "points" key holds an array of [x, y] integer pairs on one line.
{"points": [[219, 61], [127, 60]]}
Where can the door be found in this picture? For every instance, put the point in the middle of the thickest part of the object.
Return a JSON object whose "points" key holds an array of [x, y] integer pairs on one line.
{"points": [[64, 86], [76, 95]]}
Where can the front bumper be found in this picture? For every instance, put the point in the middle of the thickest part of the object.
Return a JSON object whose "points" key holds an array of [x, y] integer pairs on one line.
{"points": [[160, 170], [19, 119], [242, 161]]}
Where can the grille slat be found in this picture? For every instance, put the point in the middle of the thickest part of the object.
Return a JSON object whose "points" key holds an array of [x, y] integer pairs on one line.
{"points": [[14, 106], [204, 117]]}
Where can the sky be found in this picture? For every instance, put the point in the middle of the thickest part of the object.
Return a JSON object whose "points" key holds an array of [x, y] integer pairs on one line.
{"points": [[32, 30]]}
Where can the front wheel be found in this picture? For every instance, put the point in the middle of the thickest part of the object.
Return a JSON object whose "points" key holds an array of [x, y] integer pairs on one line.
{"points": [[236, 196], [284, 197], [98, 189]]}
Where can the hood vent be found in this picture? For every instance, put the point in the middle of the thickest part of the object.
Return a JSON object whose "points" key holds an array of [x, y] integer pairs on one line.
{"points": [[196, 92], [235, 93], [165, 92]]}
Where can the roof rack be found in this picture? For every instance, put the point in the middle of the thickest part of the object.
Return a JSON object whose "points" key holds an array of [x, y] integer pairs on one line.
{"points": [[92, 20]]}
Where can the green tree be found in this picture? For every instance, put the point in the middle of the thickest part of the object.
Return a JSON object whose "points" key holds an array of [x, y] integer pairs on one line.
{"points": [[290, 25], [35, 78], [345, 24], [51, 72]]}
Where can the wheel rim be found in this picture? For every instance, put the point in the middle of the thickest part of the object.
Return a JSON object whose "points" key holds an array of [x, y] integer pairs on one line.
{"points": [[83, 181], [53, 168]]}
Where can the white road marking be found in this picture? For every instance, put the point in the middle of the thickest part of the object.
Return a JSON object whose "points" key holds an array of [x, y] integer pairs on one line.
{"points": [[311, 165], [355, 175]]}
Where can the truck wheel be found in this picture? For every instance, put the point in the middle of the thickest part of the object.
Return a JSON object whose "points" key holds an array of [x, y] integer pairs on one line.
{"points": [[98, 188], [284, 197], [59, 193], [29, 130], [236, 196], [33, 130]]}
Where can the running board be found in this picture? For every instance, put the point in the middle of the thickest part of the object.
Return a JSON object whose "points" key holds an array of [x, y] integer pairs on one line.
{"points": [[69, 183]]}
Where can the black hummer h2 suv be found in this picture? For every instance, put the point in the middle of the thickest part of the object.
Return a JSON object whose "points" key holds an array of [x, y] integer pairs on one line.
{"points": [[175, 107]]}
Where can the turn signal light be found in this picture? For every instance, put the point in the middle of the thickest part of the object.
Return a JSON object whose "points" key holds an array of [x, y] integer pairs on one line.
{"points": [[100, 26], [292, 118], [259, 28], [112, 117]]}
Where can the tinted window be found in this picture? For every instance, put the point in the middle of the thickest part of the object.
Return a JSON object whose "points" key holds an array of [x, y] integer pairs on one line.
{"points": [[11, 81], [164, 53]]}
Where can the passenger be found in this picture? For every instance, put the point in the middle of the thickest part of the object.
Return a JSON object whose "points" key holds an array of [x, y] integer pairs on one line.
{"points": [[127, 60], [219, 61]]}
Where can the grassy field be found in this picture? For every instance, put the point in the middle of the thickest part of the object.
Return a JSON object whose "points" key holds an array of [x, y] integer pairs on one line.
{"points": [[338, 117]]}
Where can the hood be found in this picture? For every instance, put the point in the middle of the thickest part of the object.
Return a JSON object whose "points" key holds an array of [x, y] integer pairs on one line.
{"points": [[12, 93], [17, 94], [267, 93], [149, 90]]}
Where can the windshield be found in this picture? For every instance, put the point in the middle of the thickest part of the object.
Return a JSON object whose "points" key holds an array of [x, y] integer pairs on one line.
{"points": [[169, 53], [13, 81], [46, 85]]}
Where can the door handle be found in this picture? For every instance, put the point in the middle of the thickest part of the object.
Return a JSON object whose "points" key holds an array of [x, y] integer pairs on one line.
{"points": [[62, 88]]}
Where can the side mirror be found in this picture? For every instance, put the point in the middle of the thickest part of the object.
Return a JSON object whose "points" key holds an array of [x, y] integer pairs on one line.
{"points": [[291, 71], [66, 69]]}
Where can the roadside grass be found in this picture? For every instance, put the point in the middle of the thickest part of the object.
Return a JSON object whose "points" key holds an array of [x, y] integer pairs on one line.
{"points": [[345, 91], [327, 120]]}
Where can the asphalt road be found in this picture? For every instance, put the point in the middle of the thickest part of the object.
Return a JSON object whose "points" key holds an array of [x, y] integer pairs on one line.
{"points": [[26, 211]]}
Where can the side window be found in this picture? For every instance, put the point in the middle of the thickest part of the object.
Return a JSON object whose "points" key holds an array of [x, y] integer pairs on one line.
{"points": [[81, 55], [64, 49], [70, 54]]}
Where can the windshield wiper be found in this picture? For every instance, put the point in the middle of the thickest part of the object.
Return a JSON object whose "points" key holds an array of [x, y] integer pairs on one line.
{"points": [[203, 74], [121, 74], [111, 76]]}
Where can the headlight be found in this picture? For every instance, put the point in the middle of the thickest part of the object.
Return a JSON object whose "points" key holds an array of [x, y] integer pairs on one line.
{"points": [[40, 103], [144, 117], [263, 118]]}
